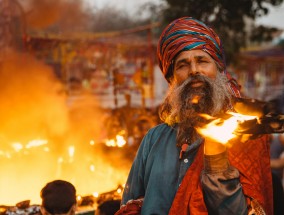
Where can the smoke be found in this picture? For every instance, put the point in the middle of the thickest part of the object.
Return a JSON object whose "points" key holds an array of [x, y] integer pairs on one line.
{"points": [[62, 15], [31, 99], [32, 107]]}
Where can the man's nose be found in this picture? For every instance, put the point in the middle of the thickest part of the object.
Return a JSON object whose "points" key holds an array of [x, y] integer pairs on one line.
{"points": [[193, 69]]}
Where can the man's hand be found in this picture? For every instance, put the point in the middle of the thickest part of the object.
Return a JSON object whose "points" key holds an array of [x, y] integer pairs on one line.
{"points": [[212, 147]]}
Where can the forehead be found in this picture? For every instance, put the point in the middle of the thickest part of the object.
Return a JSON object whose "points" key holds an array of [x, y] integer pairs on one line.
{"points": [[191, 54]]}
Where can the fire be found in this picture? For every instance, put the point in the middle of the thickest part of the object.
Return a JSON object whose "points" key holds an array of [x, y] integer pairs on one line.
{"points": [[17, 146], [96, 194], [195, 99], [68, 165], [92, 168], [119, 140], [71, 152], [119, 190], [35, 135], [222, 130], [35, 143], [79, 198]]}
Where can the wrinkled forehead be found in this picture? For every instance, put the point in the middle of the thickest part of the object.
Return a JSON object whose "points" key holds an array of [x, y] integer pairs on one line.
{"points": [[192, 55]]}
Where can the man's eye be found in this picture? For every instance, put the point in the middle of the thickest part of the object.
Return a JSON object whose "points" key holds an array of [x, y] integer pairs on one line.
{"points": [[181, 66]]}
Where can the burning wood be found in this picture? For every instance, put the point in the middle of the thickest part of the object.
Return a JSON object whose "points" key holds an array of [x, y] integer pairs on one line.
{"points": [[253, 117], [223, 130]]}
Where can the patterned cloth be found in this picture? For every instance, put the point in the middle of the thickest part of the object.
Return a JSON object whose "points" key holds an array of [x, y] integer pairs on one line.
{"points": [[252, 160], [186, 34]]}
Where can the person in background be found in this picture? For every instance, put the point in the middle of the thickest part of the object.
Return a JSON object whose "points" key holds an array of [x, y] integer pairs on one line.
{"points": [[277, 159], [58, 197], [277, 164], [278, 195], [177, 170], [108, 207], [277, 155]]}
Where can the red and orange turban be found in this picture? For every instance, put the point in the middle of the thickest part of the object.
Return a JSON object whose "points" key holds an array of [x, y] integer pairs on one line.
{"points": [[185, 34]]}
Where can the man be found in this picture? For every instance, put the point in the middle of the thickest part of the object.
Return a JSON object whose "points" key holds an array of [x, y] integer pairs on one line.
{"points": [[58, 197], [179, 171], [108, 207]]}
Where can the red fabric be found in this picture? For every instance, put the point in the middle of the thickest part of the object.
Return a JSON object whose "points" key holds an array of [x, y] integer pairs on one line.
{"points": [[133, 207], [190, 190], [252, 160]]}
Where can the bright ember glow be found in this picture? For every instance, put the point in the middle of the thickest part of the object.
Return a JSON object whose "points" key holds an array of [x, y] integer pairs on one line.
{"points": [[119, 140], [35, 143], [223, 130], [96, 194], [71, 151]]}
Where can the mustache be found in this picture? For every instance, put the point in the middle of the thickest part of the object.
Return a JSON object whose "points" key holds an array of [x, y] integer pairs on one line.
{"points": [[186, 88], [195, 78], [185, 101]]}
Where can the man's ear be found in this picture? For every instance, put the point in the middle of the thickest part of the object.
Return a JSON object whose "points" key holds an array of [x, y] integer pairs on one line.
{"points": [[73, 209], [43, 211]]}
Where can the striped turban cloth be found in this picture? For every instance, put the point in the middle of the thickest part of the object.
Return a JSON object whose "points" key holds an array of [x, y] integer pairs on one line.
{"points": [[186, 34]]}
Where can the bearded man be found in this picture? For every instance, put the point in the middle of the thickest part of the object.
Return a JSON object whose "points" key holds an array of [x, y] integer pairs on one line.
{"points": [[177, 170]]}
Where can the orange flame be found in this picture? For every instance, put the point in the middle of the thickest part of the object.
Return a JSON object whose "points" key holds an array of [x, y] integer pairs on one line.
{"points": [[222, 130], [35, 143], [119, 140]]}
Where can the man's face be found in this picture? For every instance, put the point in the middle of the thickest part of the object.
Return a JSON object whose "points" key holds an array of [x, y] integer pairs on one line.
{"points": [[191, 62], [197, 86]]}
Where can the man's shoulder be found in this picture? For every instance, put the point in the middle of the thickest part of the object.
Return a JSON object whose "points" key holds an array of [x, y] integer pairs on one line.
{"points": [[161, 132], [160, 135], [163, 127]]}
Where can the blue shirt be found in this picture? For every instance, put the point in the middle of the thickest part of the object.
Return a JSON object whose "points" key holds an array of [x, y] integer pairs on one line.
{"points": [[157, 172]]}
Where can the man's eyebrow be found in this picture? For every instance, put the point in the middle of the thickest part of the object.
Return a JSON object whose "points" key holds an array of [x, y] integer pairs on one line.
{"points": [[183, 60]]}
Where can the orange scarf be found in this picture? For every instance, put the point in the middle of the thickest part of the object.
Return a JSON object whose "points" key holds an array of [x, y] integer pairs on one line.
{"points": [[251, 158]]}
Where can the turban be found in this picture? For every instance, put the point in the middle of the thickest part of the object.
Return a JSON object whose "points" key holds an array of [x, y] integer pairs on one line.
{"points": [[186, 34]]}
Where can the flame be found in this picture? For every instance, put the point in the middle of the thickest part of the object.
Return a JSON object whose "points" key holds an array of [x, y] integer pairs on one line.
{"points": [[222, 130], [60, 160], [35, 143], [42, 109], [195, 99], [96, 194], [17, 146], [92, 168], [92, 142], [119, 190], [71, 151], [119, 140]]}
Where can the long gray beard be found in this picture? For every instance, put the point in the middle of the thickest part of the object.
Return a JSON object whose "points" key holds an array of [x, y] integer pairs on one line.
{"points": [[184, 104]]}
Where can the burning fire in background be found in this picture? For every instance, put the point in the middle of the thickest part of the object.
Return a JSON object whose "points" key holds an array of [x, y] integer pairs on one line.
{"points": [[43, 138], [43, 135]]}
